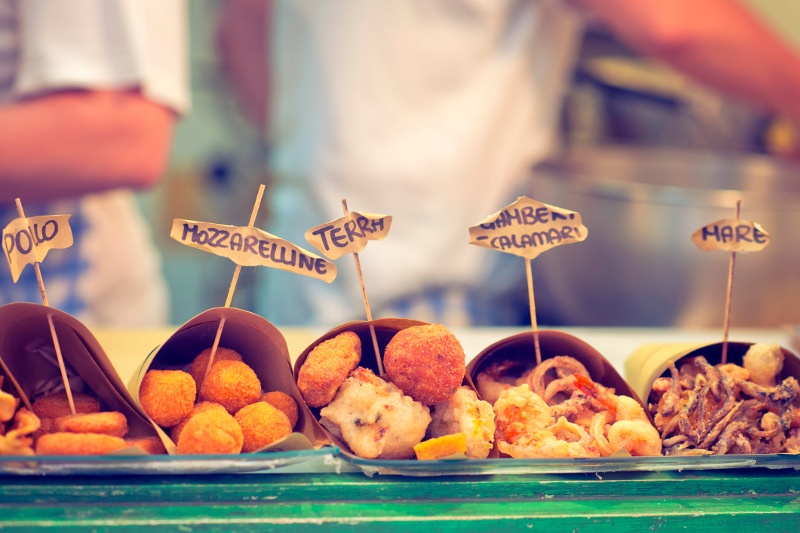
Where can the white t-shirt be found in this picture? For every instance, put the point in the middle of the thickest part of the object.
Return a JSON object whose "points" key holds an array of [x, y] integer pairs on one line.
{"points": [[429, 111], [111, 275]]}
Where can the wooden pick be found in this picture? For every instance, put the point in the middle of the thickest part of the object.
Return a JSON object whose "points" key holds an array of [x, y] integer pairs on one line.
{"points": [[56, 344], [366, 302], [231, 289], [532, 305], [728, 297]]}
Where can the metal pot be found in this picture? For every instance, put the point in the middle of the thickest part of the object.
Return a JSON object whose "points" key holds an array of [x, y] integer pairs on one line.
{"points": [[639, 267]]}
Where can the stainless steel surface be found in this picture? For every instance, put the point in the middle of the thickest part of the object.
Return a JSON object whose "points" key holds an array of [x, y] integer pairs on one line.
{"points": [[639, 267]]}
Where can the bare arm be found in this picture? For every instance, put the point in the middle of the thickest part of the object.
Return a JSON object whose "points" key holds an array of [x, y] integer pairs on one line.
{"points": [[717, 42], [242, 41], [70, 143]]}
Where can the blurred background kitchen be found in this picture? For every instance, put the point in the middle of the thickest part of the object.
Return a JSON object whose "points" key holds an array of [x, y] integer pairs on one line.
{"points": [[646, 156]]}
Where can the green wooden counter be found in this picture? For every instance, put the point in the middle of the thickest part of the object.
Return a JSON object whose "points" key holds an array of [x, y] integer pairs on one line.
{"points": [[747, 500]]}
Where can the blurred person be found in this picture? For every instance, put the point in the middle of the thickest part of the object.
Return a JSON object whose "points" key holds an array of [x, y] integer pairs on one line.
{"points": [[90, 91], [434, 112]]}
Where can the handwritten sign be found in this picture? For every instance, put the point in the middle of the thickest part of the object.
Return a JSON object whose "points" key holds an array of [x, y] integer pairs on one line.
{"points": [[527, 228], [732, 236], [27, 240], [249, 246], [348, 234]]}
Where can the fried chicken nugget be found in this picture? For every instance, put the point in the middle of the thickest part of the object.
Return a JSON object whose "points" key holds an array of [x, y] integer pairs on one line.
{"points": [[175, 431], [284, 402], [326, 368], [78, 444], [57, 404], [212, 431], [426, 362], [150, 445], [106, 423], [198, 367], [262, 424], [232, 384], [167, 396]]}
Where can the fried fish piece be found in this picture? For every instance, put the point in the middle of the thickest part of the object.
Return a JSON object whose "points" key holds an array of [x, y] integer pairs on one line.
{"points": [[107, 423], [327, 366]]}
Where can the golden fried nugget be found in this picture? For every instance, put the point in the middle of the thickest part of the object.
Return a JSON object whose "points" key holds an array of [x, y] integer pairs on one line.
{"points": [[213, 431], [175, 431], [78, 444], [284, 402], [57, 404], [426, 362], [326, 368], [232, 384], [106, 423], [167, 396], [198, 366], [151, 445], [262, 424]]}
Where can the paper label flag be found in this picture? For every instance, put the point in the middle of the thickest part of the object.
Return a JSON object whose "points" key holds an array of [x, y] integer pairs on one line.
{"points": [[348, 234], [27, 240], [731, 236], [527, 228], [250, 246]]}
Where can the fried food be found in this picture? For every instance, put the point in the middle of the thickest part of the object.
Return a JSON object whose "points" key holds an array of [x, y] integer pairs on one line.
{"points": [[150, 445], [198, 367], [706, 409], [167, 396], [107, 423], [212, 431], [441, 447], [262, 424], [464, 413], [57, 404], [284, 402], [8, 405], [232, 384], [19, 439], [78, 444], [426, 362], [200, 407], [326, 368], [375, 418]]}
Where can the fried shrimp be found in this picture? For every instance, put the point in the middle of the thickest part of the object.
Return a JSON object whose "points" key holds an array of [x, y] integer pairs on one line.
{"points": [[167, 396], [327, 366], [232, 384], [198, 367], [262, 424], [284, 402], [426, 362], [57, 404], [107, 423], [78, 444], [464, 413]]}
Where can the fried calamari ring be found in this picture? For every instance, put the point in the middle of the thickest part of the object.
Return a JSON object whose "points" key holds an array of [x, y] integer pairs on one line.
{"points": [[78, 444], [107, 423], [262, 424], [284, 402], [426, 362], [232, 384], [175, 431], [167, 396], [198, 367], [213, 431], [57, 404], [327, 366]]}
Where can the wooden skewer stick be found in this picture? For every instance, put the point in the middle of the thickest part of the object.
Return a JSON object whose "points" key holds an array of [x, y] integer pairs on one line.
{"points": [[532, 305], [231, 289], [366, 302], [728, 297], [56, 344]]}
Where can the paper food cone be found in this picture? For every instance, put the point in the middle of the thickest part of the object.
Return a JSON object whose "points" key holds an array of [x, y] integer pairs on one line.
{"points": [[26, 347], [262, 347]]}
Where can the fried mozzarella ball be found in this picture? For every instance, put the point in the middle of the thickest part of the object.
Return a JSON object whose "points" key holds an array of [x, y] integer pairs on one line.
{"points": [[262, 424], [284, 402], [426, 362], [327, 366], [199, 407], [78, 444], [167, 396], [464, 413], [212, 431], [106, 423], [57, 404], [375, 418], [232, 384], [198, 367]]}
